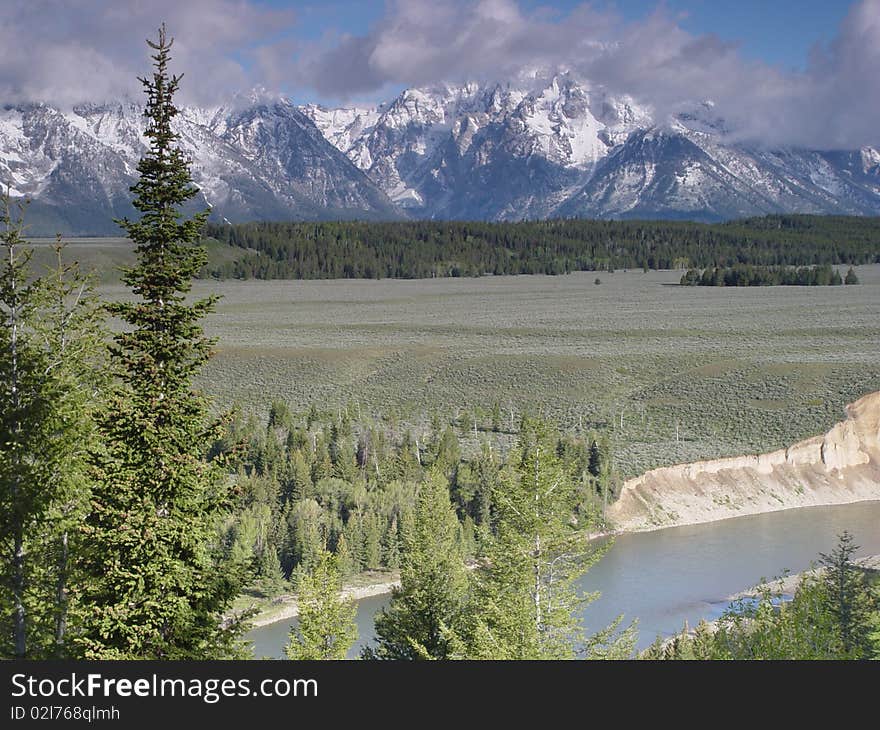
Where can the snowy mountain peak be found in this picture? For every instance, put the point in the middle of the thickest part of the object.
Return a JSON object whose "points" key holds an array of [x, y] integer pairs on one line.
{"points": [[544, 144], [260, 161], [255, 96], [343, 127], [870, 160], [550, 143]]}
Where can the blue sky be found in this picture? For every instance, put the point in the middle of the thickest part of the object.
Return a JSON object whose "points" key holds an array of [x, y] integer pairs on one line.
{"points": [[778, 32]]}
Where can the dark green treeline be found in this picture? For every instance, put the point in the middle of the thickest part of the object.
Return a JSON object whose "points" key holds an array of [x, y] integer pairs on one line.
{"points": [[746, 275], [423, 249]]}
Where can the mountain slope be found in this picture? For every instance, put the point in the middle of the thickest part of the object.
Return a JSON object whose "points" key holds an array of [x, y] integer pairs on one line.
{"points": [[555, 146], [264, 161], [544, 145]]}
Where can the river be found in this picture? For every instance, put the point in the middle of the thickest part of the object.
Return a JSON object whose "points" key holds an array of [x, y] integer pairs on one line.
{"points": [[666, 577]]}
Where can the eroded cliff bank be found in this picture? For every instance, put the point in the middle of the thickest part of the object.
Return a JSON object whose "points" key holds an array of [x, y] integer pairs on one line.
{"points": [[840, 467]]}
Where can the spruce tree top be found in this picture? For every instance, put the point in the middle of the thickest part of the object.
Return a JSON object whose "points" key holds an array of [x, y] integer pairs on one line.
{"points": [[166, 345]]}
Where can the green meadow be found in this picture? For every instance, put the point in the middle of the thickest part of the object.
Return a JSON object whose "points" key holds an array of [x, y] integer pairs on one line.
{"points": [[671, 373]]}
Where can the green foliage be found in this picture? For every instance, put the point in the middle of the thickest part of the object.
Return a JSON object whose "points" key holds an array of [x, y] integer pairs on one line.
{"points": [[496, 416], [424, 249], [50, 372], [281, 511], [157, 584], [428, 607], [849, 598], [832, 615], [749, 275], [326, 628], [526, 603], [851, 277]]}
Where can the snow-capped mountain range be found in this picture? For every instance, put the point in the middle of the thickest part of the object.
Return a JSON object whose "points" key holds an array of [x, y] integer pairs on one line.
{"points": [[258, 159], [544, 146]]}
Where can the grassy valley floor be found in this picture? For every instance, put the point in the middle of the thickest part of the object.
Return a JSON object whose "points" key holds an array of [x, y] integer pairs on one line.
{"points": [[673, 374]]}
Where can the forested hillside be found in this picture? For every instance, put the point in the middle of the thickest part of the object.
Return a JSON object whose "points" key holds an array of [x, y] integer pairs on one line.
{"points": [[307, 481], [361, 250]]}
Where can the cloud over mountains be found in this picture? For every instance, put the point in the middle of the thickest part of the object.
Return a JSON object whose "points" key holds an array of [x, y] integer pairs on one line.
{"points": [[69, 52]]}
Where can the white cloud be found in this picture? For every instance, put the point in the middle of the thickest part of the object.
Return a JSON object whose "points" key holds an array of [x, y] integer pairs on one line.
{"points": [[834, 103], [64, 52]]}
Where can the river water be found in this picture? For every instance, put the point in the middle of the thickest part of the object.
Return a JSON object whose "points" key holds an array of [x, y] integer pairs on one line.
{"points": [[666, 577]]}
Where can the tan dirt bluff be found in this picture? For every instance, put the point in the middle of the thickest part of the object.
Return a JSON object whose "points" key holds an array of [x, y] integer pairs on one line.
{"points": [[841, 467]]}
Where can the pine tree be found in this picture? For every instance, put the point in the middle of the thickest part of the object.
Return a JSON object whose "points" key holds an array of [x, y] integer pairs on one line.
{"points": [[22, 428], [312, 417], [20, 420], [156, 585], [448, 453], [279, 415], [354, 537], [372, 541], [468, 538], [406, 461], [326, 627], [596, 459], [72, 329], [300, 482], [391, 546], [269, 573], [49, 330], [343, 557], [486, 468], [851, 277], [849, 597], [306, 523], [342, 450], [526, 600], [427, 609], [496, 416], [322, 466]]}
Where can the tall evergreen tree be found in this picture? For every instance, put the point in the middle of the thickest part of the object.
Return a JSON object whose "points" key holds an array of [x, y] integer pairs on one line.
{"points": [[72, 330], [391, 546], [157, 586], [849, 597], [23, 413], [527, 602], [427, 609], [48, 331], [326, 627]]}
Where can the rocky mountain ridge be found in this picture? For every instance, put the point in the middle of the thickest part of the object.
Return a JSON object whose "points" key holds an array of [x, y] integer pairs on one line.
{"points": [[546, 145]]}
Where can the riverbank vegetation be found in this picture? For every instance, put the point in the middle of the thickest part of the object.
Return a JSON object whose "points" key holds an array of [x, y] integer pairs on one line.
{"points": [[314, 480], [519, 601], [833, 614]]}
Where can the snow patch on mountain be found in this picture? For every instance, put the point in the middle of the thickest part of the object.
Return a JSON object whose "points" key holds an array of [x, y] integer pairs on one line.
{"points": [[251, 159], [544, 144]]}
